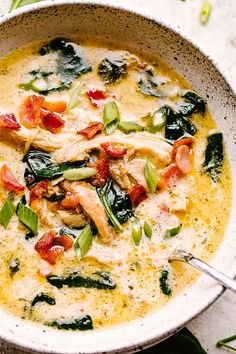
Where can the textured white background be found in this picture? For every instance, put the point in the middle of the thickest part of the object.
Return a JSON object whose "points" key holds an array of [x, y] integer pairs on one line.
{"points": [[218, 38]]}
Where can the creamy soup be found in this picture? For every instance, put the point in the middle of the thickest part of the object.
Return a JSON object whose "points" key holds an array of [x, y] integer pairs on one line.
{"points": [[109, 160]]}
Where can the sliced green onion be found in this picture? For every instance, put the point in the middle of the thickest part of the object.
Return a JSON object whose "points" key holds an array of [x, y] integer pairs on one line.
{"points": [[115, 222], [111, 117], [156, 121], [128, 127], [7, 212], [151, 176], [83, 242], [223, 343], [136, 232], [205, 12], [74, 98], [28, 218], [147, 229], [172, 232], [18, 3], [77, 174]]}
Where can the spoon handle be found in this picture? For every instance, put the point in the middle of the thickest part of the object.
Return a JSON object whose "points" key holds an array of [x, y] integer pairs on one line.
{"points": [[183, 256]]}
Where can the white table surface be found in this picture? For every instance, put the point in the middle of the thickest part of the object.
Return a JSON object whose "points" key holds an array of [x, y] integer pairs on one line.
{"points": [[218, 37]]}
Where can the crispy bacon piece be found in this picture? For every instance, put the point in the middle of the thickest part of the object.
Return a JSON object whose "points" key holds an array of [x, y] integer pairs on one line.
{"points": [[71, 201], [112, 151], [50, 247], [91, 130], [9, 180], [184, 141], [38, 190], [137, 194], [170, 175], [30, 112], [96, 95], [9, 121], [182, 159], [58, 107], [64, 241], [100, 179], [51, 121]]}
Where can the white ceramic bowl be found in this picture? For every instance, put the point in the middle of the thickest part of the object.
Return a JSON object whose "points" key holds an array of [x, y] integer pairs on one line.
{"points": [[53, 18]]}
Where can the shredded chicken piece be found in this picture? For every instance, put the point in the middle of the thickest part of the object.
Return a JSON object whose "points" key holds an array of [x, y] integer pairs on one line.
{"points": [[41, 209], [93, 208], [152, 145], [178, 198], [71, 218], [134, 62], [41, 138], [135, 169], [106, 255], [118, 173]]}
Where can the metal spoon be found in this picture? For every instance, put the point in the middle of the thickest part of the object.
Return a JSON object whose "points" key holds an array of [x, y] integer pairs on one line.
{"points": [[179, 254]]}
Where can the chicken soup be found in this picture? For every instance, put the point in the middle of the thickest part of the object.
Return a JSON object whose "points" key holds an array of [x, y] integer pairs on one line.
{"points": [[108, 161]]}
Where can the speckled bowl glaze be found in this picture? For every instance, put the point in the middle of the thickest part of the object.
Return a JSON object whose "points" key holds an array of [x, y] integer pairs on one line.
{"points": [[53, 18]]}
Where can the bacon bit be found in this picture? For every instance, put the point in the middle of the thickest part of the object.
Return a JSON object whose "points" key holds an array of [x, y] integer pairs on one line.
{"points": [[71, 201], [9, 121], [58, 107], [96, 95], [38, 190], [100, 179], [112, 151], [91, 130], [137, 194], [30, 113], [47, 250], [9, 180], [161, 184], [182, 159], [170, 175], [51, 121], [64, 241], [177, 143]]}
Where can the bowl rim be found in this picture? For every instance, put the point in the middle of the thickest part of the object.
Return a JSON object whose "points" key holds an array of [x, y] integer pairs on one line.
{"points": [[219, 290]]}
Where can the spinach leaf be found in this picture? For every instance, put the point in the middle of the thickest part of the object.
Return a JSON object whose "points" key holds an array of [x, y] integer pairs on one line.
{"points": [[29, 235], [183, 342], [30, 178], [177, 125], [214, 156], [112, 70], [164, 282], [149, 84], [67, 231], [41, 164], [69, 66], [118, 201], [42, 297], [82, 323], [14, 266], [193, 104], [104, 281], [196, 101], [186, 109]]}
